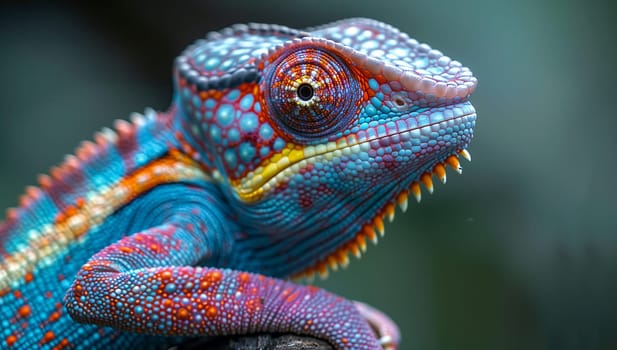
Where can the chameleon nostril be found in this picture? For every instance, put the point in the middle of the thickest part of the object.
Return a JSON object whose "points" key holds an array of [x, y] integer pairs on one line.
{"points": [[401, 103]]}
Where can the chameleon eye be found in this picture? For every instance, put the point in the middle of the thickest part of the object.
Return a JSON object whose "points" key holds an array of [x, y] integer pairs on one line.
{"points": [[311, 92], [305, 92]]}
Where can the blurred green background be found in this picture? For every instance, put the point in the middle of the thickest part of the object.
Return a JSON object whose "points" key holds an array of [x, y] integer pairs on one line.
{"points": [[518, 253]]}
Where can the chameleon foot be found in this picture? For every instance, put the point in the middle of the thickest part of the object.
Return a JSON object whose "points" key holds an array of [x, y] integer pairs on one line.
{"points": [[386, 330]]}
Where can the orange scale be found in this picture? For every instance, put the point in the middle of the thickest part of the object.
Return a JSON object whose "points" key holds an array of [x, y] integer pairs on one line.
{"points": [[29, 277], [164, 275], [214, 276], [211, 312], [11, 340], [183, 314], [24, 311], [55, 316], [49, 336], [244, 277], [127, 250]]}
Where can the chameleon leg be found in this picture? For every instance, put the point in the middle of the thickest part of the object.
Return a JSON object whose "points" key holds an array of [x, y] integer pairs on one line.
{"points": [[147, 283]]}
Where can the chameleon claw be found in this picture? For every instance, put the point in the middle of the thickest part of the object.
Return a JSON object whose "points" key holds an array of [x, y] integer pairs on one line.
{"points": [[387, 343]]}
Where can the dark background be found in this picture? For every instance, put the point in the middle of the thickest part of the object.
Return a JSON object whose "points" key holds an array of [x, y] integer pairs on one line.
{"points": [[519, 253]]}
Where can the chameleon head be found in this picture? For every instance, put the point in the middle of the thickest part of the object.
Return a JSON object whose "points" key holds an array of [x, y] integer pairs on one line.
{"points": [[315, 135]]}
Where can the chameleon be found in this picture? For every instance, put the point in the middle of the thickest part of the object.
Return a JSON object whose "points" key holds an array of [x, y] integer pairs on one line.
{"points": [[282, 153]]}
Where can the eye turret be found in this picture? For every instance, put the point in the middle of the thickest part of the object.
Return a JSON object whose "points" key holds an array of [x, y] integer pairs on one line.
{"points": [[311, 93]]}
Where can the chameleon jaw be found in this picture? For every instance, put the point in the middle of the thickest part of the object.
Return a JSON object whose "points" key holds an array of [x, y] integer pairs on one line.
{"points": [[293, 158], [375, 227]]}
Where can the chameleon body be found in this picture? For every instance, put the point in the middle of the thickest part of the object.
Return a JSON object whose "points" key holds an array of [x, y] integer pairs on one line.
{"points": [[282, 152]]}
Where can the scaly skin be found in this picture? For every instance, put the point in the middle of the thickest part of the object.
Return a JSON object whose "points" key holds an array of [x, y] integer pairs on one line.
{"points": [[281, 153]]}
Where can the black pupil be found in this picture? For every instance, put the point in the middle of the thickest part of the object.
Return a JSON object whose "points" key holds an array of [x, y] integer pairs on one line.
{"points": [[305, 92]]}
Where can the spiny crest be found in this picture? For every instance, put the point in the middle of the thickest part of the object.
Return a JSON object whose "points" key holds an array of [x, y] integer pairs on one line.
{"points": [[376, 228], [73, 164]]}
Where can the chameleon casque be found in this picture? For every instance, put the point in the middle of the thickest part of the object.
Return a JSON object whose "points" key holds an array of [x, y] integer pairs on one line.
{"points": [[282, 152]]}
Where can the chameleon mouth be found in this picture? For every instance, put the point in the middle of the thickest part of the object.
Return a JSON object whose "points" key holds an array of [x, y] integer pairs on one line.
{"points": [[293, 158], [375, 227]]}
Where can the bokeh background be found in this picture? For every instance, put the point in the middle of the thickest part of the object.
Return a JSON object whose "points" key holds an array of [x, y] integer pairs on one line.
{"points": [[518, 253]]}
